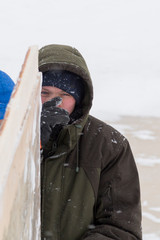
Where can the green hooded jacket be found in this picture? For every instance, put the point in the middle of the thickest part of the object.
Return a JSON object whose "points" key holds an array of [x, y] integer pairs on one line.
{"points": [[90, 185]]}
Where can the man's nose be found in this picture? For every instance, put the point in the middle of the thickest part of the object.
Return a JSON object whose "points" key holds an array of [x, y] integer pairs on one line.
{"points": [[58, 95]]}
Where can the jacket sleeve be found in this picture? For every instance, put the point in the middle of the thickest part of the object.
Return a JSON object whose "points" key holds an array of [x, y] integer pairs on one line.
{"points": [[118, 209]]}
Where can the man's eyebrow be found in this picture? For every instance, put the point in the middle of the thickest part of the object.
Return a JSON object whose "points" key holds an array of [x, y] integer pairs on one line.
{"points": [[43, 88], [61, 91]]}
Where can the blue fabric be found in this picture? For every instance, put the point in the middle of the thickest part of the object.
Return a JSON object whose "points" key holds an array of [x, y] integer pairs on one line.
{"points": [[65, 80], [6, 88]]}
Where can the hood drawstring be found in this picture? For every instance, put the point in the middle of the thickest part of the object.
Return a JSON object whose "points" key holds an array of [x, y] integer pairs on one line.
{"points": [[77, 134]]}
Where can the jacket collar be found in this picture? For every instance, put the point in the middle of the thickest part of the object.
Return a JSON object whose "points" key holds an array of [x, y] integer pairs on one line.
{"points": [[69, 135]]}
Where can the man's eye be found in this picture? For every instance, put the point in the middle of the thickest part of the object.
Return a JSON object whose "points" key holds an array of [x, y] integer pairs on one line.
{"points": [[44, 93], [65, 94]]}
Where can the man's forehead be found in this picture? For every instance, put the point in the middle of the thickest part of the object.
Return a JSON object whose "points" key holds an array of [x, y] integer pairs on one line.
{"points": [[52, 88]]}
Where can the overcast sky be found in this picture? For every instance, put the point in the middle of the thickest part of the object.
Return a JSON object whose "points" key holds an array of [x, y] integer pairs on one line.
{"points": [[120, 40]]}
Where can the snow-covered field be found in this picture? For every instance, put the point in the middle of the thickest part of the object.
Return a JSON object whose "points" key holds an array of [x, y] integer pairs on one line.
{"points": [[120, 40]]}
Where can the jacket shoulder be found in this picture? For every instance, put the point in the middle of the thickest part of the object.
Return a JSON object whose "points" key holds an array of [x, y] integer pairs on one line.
{"points": [[104, 141], [107, 131]]}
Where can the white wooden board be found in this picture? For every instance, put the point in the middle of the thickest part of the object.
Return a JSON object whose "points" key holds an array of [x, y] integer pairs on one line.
{"points": [[20, 156]]}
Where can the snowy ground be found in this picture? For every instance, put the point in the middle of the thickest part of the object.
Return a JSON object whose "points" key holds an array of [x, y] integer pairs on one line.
{"points": [[118, 38]]}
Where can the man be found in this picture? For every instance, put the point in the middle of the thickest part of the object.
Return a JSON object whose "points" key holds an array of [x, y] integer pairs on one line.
{"points": [[90, 186], [6, 88]]}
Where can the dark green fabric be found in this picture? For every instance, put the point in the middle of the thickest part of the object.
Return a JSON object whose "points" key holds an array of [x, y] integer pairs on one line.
{"points": [[90, 185]]}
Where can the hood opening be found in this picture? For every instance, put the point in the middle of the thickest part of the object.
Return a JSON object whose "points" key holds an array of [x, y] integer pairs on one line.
{"points": [[62, 57]]}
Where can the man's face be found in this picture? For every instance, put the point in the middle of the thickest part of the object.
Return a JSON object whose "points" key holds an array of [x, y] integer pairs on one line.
{"points": [[49, 92]]}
